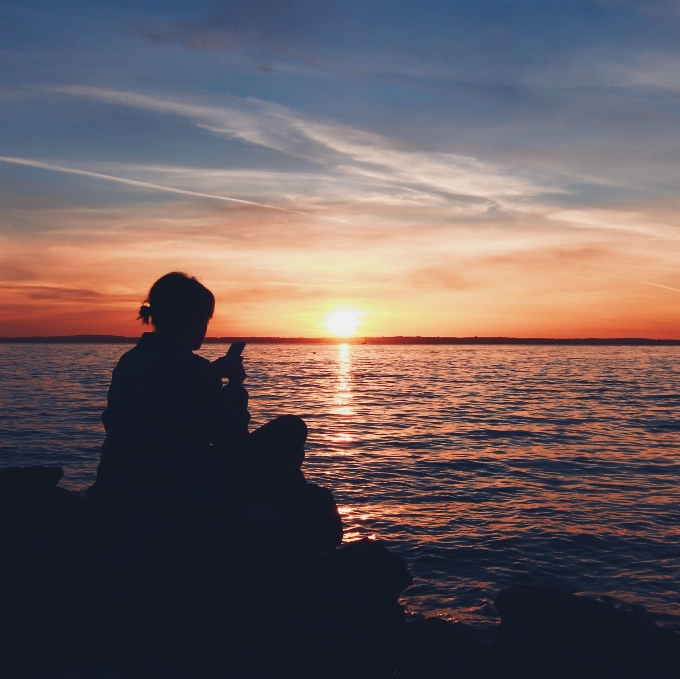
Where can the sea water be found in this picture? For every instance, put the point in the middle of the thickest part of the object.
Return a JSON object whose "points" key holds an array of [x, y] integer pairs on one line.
{"points": [[480, 466]]}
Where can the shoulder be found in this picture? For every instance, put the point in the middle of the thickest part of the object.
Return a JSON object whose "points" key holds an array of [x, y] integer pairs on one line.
{"points": [[128, 361], [203, 366], [155, 359], [130, 356], [194, 369]]}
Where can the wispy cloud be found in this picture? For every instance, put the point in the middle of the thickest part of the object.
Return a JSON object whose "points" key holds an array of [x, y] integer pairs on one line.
{"points": [[273, 279], [446, 168], [655, 285], [616, 220], [133, 182], [59, 293], [595, 68], [342, 148]]}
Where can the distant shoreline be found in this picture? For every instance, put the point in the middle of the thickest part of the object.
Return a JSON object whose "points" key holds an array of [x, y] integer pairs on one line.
{"points": [[545, 341]]}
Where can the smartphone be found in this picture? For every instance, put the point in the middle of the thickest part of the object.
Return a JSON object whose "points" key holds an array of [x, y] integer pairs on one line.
{"points": [[235, 349]]}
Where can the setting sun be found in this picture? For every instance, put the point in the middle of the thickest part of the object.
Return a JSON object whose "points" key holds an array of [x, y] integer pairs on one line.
{"points": [[343, 323]]}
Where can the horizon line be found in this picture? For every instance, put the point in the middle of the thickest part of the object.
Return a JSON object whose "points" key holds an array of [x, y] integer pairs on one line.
{"points": [[374, 340]]}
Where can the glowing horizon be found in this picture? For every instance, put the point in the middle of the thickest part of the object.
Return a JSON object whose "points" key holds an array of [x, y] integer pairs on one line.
{"points": [[452, 187], [343, 322]]}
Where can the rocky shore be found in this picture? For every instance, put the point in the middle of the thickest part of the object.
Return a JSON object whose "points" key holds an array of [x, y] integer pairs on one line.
{"points": [[245, 595]]}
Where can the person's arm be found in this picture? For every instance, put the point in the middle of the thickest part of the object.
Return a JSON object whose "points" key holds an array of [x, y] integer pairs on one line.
{"points": [[234, 397], [231, 368]]}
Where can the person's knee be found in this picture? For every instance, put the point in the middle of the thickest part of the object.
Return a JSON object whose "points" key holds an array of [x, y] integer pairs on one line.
{"points": [[295, 428]]}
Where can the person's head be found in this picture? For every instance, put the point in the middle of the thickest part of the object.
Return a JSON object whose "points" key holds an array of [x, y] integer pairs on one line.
{"points": [[179, 305]]}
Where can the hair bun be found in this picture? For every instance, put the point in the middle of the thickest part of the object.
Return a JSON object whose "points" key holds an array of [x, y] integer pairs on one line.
{"points": [[175, 301]]}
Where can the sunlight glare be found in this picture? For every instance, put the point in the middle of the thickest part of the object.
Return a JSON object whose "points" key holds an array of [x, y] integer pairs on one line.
{"points": [[343, 323]]}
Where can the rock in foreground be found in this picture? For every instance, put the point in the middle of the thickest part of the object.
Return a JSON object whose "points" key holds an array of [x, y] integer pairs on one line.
{"points": [[84, 599]]}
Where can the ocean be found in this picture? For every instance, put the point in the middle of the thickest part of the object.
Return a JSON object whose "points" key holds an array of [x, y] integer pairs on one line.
{"points": [[482, 466]]}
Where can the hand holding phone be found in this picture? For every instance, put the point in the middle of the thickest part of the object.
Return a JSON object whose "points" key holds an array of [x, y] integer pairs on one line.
{"points": [[235, 350], [231, 364]]}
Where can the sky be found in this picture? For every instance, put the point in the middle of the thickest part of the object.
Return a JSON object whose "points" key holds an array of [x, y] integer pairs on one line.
{"points": [[426, 168]]}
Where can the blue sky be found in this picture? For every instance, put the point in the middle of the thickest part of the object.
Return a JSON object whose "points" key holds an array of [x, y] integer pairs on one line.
{"points": [[450, 168]]}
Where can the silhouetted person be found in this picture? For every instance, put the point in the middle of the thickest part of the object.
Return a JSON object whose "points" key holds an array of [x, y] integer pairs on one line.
{"points": [[188, 505], [176, 438]]}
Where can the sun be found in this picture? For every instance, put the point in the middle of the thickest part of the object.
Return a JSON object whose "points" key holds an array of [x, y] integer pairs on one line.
{"points": [[343, 323]]}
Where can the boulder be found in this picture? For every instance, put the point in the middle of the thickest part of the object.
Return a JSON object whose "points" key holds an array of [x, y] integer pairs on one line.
{"points": [[545, 631], [34, 489], [365, 571], [42, 547], [436, 648]]}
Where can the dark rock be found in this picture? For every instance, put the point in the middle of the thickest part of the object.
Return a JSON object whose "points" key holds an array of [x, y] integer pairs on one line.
{"points": [[307, 522], [548, 632], [29, 478], [264, 591], [42, 550], [436, 648], [34, 489], [366, 571], [353, 611], [548, 612], [317, 516]]}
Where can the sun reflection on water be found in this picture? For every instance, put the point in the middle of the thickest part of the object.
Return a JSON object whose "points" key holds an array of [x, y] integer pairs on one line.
{"points": [[343, 388], [481, 466], [355, 520]]}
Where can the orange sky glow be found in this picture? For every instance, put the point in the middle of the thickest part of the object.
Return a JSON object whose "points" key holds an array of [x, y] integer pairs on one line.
{"points": [[468, 189], [276, 275]]}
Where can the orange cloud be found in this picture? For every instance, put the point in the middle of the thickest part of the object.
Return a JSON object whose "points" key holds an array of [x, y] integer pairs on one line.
{"points": [[425, 267]]}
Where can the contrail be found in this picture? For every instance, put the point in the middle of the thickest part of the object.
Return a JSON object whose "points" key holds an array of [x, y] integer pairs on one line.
{"points": [[632, 280], [623, 278], [144, 185]]}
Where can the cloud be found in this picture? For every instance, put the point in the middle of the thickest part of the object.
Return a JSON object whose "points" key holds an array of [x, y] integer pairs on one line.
{"points": [[483, 269], [645, 70], [510, 277], [445, 168], [616, 220], [597, 69], [655, 285], [57, 293], [144, 185], [448, 173], [467, 46], [342, 149]]}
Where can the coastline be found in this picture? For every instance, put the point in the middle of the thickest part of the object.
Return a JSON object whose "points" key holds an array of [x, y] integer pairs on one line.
{"points": [[393, 340]]}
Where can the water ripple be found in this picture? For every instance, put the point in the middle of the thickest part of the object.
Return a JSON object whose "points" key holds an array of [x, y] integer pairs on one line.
{"points": [[481, 466]]}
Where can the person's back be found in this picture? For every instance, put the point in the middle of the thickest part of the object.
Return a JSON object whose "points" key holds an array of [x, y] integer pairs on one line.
{"points": [[177, 440], [163, 398], [166, 406], [183, 489]]}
